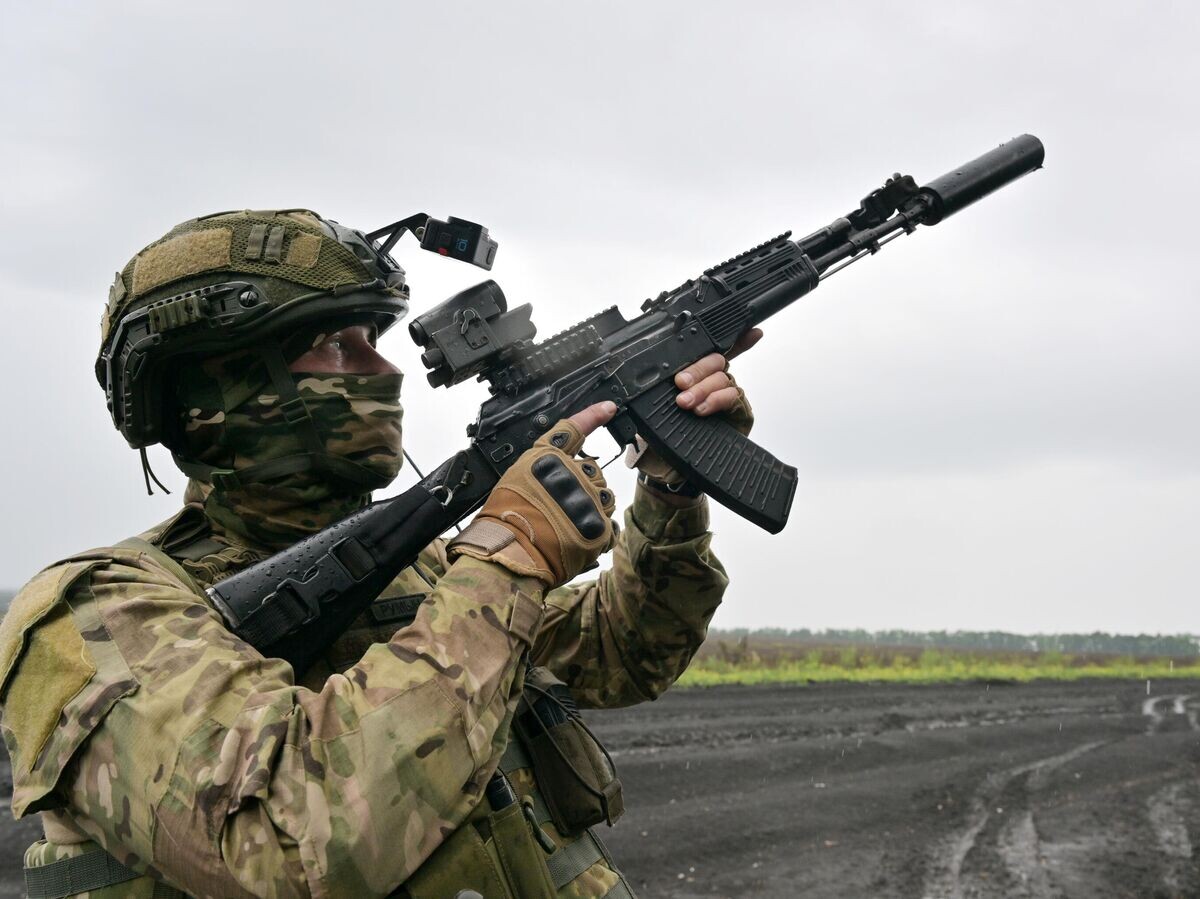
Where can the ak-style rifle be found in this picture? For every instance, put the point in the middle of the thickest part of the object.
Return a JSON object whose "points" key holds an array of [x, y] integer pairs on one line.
{"points": [[295, 604]]}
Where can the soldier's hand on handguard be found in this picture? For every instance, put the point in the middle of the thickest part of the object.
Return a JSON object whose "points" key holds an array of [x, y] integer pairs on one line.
{"points": [[550, 516], [705, 388]]}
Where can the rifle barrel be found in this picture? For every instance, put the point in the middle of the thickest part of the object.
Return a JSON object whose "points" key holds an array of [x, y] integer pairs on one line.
{"points": [[841, 244]]}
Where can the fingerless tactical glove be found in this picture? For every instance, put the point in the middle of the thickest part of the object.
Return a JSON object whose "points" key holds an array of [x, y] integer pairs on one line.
{"points": [[550, 517]]}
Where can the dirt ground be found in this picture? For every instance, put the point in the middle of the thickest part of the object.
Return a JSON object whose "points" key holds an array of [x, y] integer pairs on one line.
{"points": [[970, 790]]}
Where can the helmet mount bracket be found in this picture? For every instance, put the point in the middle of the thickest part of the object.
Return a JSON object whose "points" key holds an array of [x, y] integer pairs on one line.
{"points": [[455, 237]]}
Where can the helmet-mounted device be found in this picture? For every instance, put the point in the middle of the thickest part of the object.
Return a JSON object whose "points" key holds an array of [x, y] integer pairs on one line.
{"points": [[237, 279]]}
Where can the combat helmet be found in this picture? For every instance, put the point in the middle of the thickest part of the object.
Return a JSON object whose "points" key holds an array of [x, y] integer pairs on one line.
{"points": [[247, 279]]}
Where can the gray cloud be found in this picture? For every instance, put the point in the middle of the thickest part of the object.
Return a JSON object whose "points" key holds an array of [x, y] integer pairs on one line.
{"points": [[994, 420]]}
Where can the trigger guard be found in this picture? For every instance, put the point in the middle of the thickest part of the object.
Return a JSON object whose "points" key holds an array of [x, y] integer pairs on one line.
{"points": [[623, 429]]}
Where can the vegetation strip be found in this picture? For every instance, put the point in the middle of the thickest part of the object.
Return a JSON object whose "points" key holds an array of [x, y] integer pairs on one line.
{"points": [[772, 663]]}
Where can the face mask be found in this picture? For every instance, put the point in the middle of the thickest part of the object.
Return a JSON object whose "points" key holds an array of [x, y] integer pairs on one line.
{"points": [[358, 419], [353, 447]]}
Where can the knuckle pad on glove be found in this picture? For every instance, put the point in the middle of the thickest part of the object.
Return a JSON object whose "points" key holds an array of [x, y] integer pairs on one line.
{"points": [[564, 488], [557, 512], [563, 436]]}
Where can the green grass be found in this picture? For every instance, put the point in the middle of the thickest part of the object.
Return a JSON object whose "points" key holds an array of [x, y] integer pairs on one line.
{"points": [[862, 664]]}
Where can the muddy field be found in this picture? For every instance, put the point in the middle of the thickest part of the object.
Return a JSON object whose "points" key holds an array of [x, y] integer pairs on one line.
{"points": [[1086, 789]]}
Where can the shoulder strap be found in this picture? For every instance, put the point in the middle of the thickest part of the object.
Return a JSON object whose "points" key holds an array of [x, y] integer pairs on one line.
{"points": [[145, 546], [93, 870]]}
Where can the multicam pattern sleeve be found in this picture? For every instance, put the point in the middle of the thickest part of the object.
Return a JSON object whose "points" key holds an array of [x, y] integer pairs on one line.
{"points": [[202, 755], [626, 637]]}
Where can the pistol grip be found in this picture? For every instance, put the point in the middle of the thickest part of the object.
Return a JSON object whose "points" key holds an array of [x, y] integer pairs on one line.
{"points": [[721, 461]]}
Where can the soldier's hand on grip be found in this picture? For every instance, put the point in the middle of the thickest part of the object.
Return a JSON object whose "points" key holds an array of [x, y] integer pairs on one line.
{"points": [[550, 517], [706, 388]]}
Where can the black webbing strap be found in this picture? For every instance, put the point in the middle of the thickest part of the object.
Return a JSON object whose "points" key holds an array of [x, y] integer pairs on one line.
{"points": [[90, 871], [281, 615]]}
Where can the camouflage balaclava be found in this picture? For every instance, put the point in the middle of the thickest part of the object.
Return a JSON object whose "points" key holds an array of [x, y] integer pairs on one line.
{"points": [[233, 420]]}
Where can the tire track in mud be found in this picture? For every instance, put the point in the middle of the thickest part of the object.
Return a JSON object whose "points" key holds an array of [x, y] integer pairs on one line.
{"points": [[1019, 847], [988, 856], [726, 780], [1166, 811], [1014, 840], [1153, 707]]}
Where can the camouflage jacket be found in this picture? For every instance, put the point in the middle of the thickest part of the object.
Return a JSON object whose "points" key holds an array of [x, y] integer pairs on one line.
{"points": [[136, 720]]}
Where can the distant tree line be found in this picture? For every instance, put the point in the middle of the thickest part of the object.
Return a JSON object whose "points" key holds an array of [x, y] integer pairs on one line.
{"points": [[1177, 645], [1117, 644]]}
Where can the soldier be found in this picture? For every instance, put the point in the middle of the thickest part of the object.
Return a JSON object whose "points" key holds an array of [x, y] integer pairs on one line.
{"points": [[168, 758]]}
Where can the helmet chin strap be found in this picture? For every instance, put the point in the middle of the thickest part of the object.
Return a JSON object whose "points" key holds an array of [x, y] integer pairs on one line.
{"points": [[148, 473], [316, 457]]}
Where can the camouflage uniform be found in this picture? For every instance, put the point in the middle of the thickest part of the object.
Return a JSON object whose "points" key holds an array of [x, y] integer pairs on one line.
{"points": [[137, 723], [148, 728]]}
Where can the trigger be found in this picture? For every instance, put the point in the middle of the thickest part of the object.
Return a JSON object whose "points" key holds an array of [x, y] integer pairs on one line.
{"points": [[622, 429]]}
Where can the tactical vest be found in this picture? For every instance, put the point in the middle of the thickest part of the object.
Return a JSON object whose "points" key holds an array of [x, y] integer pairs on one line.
{"points": [[532, 836]]}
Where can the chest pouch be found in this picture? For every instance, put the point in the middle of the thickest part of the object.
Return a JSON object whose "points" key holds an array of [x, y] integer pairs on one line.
{"points": [[493, 853], [575, 774]]}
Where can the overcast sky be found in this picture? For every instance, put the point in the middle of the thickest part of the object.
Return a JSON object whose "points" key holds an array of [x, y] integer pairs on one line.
{"points": [[995, 420]]}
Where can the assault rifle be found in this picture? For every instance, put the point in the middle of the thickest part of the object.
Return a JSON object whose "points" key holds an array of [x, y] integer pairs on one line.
{"points": [[293, 605]]}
